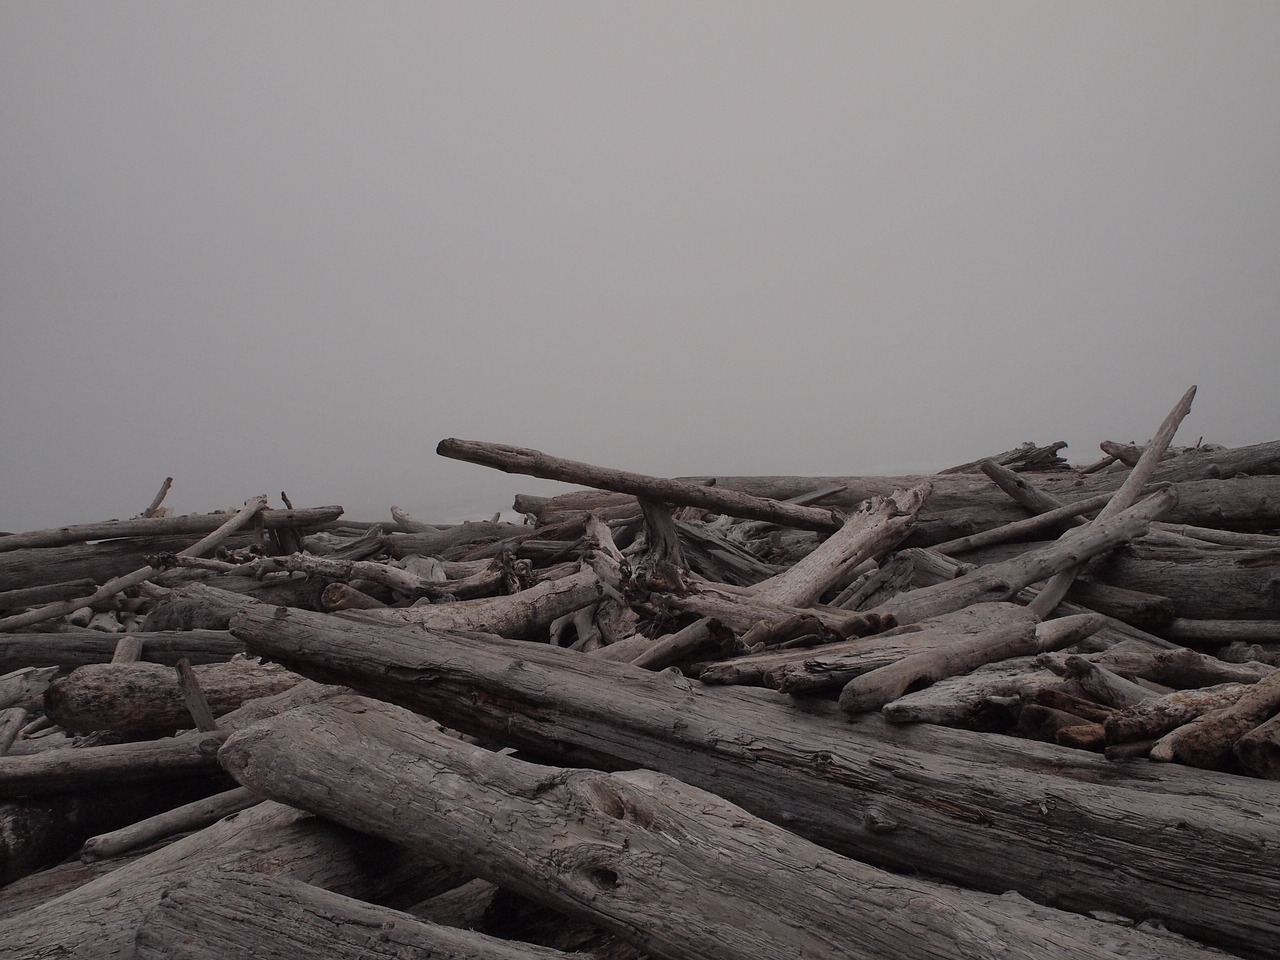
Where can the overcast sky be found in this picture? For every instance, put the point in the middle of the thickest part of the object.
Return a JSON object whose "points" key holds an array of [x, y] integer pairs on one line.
{"points": [[272, 246]]}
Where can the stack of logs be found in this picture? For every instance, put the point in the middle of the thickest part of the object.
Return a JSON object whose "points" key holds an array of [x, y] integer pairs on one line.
{"points": [[1012, 709]]}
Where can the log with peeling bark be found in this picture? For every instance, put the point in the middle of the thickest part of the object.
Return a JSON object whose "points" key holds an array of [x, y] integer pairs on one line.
{"points": [[229, 916], [678, 871], [100, 919], [1154, 717], [145, 700], [1208, 740], [916, 798]]}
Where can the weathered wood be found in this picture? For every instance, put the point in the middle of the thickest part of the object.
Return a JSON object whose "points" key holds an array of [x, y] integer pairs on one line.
{"points": [[181, 819], [17, 621], [163, 526], [986, 699], [1052, 593], [230, 916], [81, 647], [12, 720], [1223, 584], [194, 753], [676, 870], [1002, 581], [1010, 635], [1154, 717], [194, 698], [516, 615], [876, 526], [1258, 751], [34, 596], [146, 700], [99, 920], [1223, 631], [913, 797], [1207, 741], [536, 464]]}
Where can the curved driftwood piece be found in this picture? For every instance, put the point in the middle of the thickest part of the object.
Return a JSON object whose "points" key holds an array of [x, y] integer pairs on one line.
{"points": [[163, 526], [145, 699], [230, 916], [675, 870], [918, 798], [534, 463], [100, 919]]}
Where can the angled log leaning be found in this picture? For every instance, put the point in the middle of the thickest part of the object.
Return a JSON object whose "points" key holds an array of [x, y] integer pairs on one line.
{"points": [[1258, 751], [677, 493], [190, 816], [229, 916], [1007, 638], [1002, 581], [99, 920], [1051, 593], [918, 798], [679, 872]]}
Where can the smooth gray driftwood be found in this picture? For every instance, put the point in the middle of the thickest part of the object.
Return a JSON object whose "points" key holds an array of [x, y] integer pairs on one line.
{"points": [[675, 870], [1050, 822], [98, 921], [231, 916], [534, 463]]}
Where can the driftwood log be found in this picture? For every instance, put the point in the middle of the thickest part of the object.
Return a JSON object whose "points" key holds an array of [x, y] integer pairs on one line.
{"points": [[677, 871], [918, 798]]}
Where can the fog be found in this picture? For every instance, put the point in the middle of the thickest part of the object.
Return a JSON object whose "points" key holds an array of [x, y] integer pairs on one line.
{"points": [[290, 246]]}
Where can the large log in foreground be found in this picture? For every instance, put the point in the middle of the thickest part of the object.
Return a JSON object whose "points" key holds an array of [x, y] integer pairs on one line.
{"points": [[673, 869], [1059, 826], [99, 920]]}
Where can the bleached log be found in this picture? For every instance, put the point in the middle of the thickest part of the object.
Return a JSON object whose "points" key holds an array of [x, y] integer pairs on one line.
{"points": [[887, 795], [878, 525], [516, 615], [1011, 635], [536, 464], [977, 699], [1002, 581], [100, 919], [34, 596], [1183, 630], [678, 871]]}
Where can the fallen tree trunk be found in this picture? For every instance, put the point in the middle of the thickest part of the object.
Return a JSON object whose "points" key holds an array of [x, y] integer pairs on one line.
{"points": [[679, 872], [230, 916], [99, 920], [515, 615], [145, 700], [1051, 823], [536, 464], [162, 526], [82, 647]]}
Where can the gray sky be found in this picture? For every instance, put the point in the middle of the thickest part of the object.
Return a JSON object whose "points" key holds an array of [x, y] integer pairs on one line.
{"points": [[263, 246]]}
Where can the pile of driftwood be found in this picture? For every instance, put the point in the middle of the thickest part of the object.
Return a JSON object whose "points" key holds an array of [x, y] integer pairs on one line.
{"points": [[1012, 709]]}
